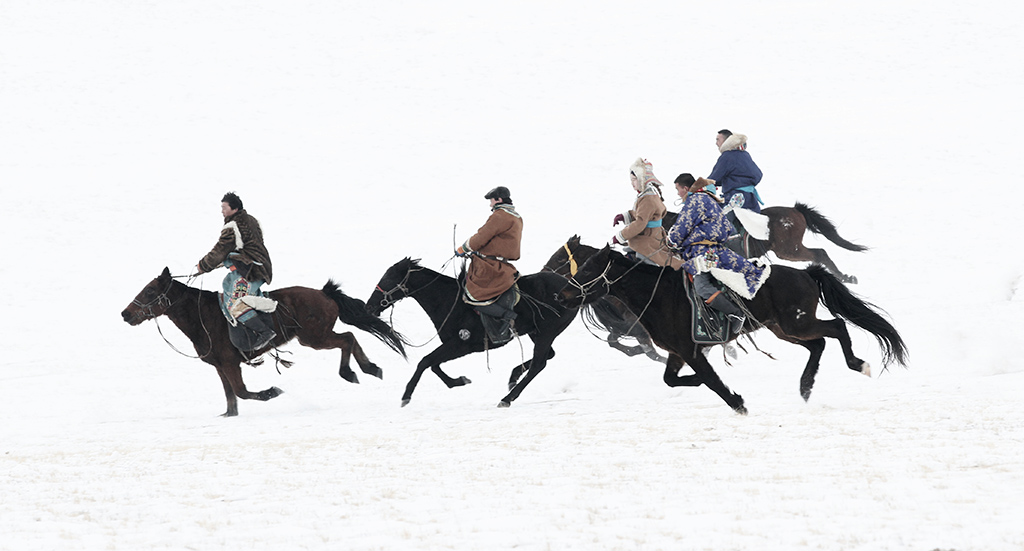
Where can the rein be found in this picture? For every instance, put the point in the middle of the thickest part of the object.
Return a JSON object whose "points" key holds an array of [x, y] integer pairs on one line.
{"points": [[160, 300]]}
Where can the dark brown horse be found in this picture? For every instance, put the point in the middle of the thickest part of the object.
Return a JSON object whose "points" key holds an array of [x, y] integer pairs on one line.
{"points": [[305, 313], [786, 304], [786, 228]]}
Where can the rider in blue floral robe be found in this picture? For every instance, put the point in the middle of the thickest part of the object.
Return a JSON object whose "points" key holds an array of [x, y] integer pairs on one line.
{"points": [[698, 236]]}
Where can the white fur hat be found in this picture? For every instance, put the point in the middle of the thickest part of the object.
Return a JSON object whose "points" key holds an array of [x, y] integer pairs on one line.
{"points": [[736, 141]]}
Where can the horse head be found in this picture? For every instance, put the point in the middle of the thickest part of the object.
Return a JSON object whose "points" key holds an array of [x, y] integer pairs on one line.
{"points": [[591, 281], [392, 286], [563, 262], [153, 301]]}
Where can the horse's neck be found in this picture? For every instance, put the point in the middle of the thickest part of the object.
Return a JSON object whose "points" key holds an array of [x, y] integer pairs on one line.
{"points": [[193, 311], [637, 285], [435, 293]]}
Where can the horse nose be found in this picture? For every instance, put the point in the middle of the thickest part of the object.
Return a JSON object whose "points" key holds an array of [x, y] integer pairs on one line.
{"points": [[126, 315]]}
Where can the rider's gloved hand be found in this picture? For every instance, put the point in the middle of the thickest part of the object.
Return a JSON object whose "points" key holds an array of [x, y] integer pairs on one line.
{"points": [[619, 218]]}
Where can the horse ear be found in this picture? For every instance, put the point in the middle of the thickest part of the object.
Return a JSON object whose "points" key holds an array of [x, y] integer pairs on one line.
{"points": [[166, 274], [575, 238]]}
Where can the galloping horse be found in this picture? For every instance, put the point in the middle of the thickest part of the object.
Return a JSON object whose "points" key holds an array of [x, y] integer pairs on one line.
{"points": [[301, 312], [786, 228], [786, 304], [606, 313], [459, 326]]}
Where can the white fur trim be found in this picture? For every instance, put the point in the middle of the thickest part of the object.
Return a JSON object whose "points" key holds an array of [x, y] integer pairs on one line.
{"points": [[263, 304], [736, 141], [737, 282], [755, 224], [233, 226], [640, 169]]}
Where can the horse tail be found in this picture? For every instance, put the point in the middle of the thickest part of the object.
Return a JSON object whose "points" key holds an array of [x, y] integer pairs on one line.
{"points": [[352, 311], [817, 223], [844, 304]]}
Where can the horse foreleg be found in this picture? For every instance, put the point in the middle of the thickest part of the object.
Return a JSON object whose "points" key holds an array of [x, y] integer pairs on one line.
{"points": [[447, 351], [672, 377], [229, 393], [519, 370], [613, 341], [231, 379], [542, 352], [706, 374]]}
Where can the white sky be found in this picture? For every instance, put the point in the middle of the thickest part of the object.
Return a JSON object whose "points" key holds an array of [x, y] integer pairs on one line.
{"points": [[362, 132]]}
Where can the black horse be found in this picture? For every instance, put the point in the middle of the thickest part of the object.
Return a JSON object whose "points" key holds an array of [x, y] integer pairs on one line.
{"points": [[786, 304], [459, 326], [607, 313]]}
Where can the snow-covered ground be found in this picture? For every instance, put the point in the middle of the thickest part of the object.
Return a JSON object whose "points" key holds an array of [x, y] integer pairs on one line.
{"points": [[362, 132]]}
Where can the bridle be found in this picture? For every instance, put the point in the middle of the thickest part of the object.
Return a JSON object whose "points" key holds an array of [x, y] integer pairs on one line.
{"points": [[388, 301], [161, 300], [585, 288]]}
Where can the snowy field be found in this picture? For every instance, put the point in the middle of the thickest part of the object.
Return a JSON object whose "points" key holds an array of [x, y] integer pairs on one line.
{"points": [[363, 132]]}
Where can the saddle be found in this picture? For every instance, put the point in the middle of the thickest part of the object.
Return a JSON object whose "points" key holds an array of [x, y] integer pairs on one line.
{"points": [[708, 326], [498, 314]]}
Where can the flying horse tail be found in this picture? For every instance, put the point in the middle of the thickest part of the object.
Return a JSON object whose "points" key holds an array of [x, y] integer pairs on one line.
{"points": [[352, 311], [817, 223], [844, 304]]}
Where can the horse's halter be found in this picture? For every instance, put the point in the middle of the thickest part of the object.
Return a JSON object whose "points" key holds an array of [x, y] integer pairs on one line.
{"points": [[161, 300], [387, 301], [585, 288]]}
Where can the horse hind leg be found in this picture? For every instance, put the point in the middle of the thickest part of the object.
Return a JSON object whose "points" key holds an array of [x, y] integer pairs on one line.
{"points": [[836, 328], [349, 348]]}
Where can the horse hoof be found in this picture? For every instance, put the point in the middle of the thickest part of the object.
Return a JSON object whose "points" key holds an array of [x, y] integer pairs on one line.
{"points": [[806, 395], [464, 380], [377, 372], [405, 401], [504, 404], [350, 377], [865, 368], [742, 410]]}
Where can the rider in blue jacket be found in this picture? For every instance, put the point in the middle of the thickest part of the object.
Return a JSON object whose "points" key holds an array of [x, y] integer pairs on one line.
{"points": [[735, 173]]}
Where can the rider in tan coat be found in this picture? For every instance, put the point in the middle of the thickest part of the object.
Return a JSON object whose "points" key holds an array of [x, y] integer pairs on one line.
{"points": [[491, 275], [643, 231]]}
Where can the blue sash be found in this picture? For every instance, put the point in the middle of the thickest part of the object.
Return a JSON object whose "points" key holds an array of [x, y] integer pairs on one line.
{"points": [[751, 189], [654, 224]]}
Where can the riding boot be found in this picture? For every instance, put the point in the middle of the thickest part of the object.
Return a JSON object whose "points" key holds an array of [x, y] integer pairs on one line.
{"points": [[263, 329], [497, 320], [720, 302]]}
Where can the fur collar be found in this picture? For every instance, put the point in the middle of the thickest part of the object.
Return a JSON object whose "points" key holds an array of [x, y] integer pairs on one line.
{"points": [[734, 142]]}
